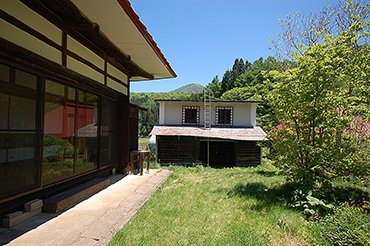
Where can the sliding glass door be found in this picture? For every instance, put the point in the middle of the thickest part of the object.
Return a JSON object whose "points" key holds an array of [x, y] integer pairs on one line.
{"points": [[50, 131], [70, 131], [18, 138]]}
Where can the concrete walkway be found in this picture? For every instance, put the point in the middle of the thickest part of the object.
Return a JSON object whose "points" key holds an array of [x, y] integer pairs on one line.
{"points": [[93, 221]]}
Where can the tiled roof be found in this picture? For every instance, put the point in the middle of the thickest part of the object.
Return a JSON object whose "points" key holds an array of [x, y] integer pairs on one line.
{"points": [[232, 133]]}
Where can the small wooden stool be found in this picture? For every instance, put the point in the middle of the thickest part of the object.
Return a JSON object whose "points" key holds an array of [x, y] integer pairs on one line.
{"points": [[138, 156]]}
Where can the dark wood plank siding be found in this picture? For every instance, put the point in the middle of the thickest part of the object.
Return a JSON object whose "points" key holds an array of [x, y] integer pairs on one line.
{"points": [[248, 154], [221, 154], [176, 149]]}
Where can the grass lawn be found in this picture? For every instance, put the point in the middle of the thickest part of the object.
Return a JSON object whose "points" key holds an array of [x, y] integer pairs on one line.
{"points": [[205, 206], [144, 143]]}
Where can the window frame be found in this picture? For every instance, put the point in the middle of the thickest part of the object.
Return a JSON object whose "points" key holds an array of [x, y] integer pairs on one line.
{"points": [[184, 118], [220, 117]]}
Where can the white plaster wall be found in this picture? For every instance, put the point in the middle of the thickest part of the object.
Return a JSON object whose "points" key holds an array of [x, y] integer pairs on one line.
{"points": [[117, 73], [74, 46], [27, 41], [83, 69], [173, 115], [162, 113], [117, 86], [32, 19], [244, 115]]}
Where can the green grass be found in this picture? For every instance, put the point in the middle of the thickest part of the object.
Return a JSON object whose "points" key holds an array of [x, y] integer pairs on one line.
{"points": [[205, 206], [144, 143]]}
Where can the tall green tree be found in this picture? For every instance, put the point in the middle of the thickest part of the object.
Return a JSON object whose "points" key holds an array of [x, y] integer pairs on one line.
{"points": [[323, 108], [215, 87], [302, 30], [230, 76], [251, 86], [226, 83]]}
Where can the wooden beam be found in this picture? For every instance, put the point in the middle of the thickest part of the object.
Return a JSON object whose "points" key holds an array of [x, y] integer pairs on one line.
{"points": [[18, 55], [65, 15], [10, 19], [83, 26]]}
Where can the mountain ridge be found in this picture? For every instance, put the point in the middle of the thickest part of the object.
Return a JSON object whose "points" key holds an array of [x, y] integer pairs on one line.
{"points": [[192, 87]]}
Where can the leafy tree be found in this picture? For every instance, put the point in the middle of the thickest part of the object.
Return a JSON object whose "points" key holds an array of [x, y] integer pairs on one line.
{"points": [[147, 119], [322, 106], [230, 76], [239, 68], [241, 94], [227, 83], [215, 87], [253, 76], [251, 87], [304, 30]]}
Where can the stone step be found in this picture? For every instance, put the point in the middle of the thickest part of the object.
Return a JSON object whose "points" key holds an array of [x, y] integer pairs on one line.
{"points": [[31, 209], [71, 197]]}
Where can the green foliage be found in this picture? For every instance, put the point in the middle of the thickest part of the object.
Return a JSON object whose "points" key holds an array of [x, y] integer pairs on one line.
{"points": [[57, 147], [230, 76], [321, 109], [250, 86], [303, 199], [300, 30], [347, 226], [147, 119], [215, 87], [241, 94]]}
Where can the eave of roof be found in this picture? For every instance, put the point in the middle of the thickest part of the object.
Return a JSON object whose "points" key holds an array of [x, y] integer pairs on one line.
{"points": [[138, 107], [241, 134], [198, 101], [126, 5], [120, 24], [114, 28]]}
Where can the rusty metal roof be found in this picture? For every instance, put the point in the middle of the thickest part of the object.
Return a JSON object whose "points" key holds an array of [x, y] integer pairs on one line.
{"points": [[232, 133], [213, 100]]}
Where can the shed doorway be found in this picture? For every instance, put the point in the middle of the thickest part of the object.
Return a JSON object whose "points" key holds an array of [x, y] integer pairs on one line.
{"points": [[221, 154]]}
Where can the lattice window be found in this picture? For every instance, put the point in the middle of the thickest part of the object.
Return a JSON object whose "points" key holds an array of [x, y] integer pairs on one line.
{"points": [[224, 116], [190, 115]]}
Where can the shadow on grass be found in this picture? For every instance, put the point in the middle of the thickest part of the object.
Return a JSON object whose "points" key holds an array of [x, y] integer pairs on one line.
{"points": [[269, 173], [266, 198], [354, 196]]}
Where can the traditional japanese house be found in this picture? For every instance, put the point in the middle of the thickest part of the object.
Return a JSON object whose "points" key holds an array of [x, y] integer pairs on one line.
{"points": [[65, 73], [220, 133]]}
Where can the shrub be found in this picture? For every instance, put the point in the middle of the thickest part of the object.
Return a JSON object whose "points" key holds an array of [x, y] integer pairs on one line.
{"points": [[347, 226], [303, 199]]}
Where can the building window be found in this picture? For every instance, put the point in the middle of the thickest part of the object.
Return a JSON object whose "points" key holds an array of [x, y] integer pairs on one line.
{"points": [[50, 131], [190, 115], [18, 130], [70, 131], [224, 116]]}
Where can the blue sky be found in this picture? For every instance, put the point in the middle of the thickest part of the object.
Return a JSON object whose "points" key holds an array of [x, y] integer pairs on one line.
{"points": [[202, 38]]}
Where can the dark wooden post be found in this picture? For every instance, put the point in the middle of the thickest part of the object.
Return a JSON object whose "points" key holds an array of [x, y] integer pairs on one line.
{"points": [[123, 134]]}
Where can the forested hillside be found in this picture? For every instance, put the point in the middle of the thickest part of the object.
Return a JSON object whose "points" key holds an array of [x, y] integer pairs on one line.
{"points": [[190, 88], [147, 119], [244, 81]]}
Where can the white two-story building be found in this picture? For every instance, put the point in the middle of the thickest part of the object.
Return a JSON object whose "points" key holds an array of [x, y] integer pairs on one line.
{"points": [[220, 133]]}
